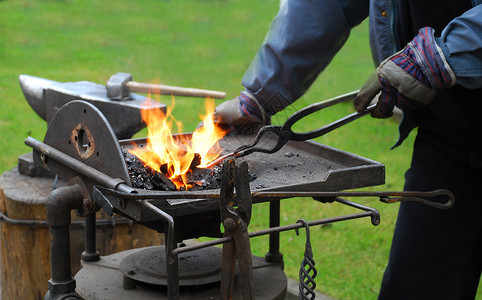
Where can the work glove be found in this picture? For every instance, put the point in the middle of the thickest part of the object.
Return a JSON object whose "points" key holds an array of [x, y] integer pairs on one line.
{"points": [[408, 79], [242, 114]]}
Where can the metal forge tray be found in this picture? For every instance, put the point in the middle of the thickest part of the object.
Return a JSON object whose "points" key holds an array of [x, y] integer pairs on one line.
{"points": [[307, 167], [300, 166], [80, 142]]}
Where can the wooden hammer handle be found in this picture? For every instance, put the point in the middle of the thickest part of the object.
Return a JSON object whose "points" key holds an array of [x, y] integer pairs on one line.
{"points": [[160, 89]]}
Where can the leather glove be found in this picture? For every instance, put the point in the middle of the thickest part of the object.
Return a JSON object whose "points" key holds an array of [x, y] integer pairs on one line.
{"points": [[409, 78], [242, 114]]}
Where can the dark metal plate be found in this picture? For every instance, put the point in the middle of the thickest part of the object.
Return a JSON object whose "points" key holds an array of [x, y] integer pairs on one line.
{"points": [[81, 131], [102, 280], [196, 268]]}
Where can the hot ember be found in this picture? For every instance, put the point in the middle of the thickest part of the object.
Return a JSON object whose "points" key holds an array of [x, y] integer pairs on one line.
{"points": [[175, 157]]}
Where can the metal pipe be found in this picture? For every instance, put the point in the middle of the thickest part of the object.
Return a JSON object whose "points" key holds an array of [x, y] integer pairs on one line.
{"points": [[60, 250], [59, 205]]}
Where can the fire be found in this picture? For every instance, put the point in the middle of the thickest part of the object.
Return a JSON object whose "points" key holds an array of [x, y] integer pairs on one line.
{"points": [[173, 155]]}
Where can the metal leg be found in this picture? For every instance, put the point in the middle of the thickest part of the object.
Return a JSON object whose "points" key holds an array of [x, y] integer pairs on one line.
{"points": [[90, 254], [60, 202], [172, 263], [274, 256]]}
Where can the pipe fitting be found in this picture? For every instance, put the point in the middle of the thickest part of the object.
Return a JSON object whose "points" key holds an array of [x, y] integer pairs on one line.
{"points": [[60, 202]]}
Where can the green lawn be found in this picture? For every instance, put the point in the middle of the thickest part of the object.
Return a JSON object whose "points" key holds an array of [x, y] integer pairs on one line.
{"points": [[205, 44]]}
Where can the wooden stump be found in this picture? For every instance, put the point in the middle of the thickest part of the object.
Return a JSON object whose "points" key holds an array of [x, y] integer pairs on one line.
{"points": [[25, 250]]}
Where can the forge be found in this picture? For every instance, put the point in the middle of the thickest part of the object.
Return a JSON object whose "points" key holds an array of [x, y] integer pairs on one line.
{"points": [[81, 147]]}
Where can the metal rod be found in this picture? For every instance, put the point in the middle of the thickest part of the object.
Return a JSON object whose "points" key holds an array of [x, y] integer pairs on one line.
{"points": [[271, 230], [385, 196], [78, 166], [375, 216], [43, 223], [172, 261]]}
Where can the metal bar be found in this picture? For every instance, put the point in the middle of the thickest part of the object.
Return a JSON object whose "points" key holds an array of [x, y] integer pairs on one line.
{"points": [[43, 223], [332, 126], [271, 230], [78, 166], [385, 196], [172, 261], [375, 216]]}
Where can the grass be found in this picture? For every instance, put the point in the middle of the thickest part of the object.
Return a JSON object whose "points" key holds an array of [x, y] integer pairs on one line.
{"points": [[205, 44]]}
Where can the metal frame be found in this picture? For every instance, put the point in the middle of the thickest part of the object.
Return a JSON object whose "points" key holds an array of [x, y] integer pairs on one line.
{"points": [[61, 285], [115, 195]]}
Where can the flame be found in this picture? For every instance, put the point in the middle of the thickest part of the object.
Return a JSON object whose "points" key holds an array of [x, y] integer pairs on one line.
{"points": [[162, 149]]}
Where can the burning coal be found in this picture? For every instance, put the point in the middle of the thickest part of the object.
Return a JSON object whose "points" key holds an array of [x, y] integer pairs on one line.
{"points": [[176, 158], [143, 177]]}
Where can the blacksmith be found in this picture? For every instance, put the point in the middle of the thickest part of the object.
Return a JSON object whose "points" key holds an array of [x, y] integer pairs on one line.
{"points": [[429, 58]]}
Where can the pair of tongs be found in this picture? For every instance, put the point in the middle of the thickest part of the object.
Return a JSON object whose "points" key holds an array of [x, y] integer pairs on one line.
{"points": [[285, 133]]}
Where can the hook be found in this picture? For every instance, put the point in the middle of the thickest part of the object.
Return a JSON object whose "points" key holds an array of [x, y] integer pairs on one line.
{"points": [[307, 228]]}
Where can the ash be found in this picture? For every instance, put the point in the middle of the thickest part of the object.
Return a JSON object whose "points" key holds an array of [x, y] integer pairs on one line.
{"points": [[143, 177]]}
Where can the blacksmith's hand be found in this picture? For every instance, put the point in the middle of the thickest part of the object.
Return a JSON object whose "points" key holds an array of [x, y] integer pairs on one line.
{"points": [[241, 114], [408, 79]]}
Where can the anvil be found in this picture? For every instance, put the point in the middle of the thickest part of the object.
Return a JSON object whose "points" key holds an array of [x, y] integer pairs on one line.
{"points": [[47, 96]]}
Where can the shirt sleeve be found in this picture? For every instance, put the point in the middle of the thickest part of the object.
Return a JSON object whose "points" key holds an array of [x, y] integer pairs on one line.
{"points": [[302, 40], [461, 43]]}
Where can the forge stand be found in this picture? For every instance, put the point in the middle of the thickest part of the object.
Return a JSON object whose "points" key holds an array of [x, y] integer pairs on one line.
{"points": [[81, 147], [193, 271]]}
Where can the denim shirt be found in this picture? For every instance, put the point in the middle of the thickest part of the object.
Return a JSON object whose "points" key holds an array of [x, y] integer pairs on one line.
{"points": [[306, 34]]}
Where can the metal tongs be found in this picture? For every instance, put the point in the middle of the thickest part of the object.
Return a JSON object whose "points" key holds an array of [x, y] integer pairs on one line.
{"points": [[285, 133]]}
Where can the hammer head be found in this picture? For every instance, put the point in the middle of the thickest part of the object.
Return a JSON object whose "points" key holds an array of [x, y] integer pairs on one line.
{"points": [[117, 86]]}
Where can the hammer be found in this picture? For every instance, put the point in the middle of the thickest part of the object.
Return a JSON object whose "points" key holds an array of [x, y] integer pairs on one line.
{"points": [[120, 85]]}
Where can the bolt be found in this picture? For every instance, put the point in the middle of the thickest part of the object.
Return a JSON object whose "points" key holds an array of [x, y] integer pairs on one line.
{"points": [[229, 224]]}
